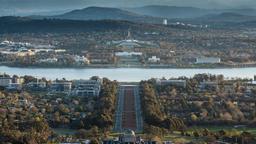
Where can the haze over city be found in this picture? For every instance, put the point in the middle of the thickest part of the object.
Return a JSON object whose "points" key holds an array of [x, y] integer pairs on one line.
{"points": [[28, 7]]}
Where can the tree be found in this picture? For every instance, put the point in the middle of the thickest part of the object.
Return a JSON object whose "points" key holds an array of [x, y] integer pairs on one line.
{"points": [[194, 117], [82, 133], [95, 141]]}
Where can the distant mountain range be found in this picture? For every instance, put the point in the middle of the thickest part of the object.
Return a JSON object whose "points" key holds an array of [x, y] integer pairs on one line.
{"points": [[101, 18], [170, 12], [156, 14], [186, 12], [225, 17], [103, 13]]}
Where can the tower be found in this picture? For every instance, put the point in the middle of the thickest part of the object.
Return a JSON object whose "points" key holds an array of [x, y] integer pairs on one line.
{"points": [[165, 22]]}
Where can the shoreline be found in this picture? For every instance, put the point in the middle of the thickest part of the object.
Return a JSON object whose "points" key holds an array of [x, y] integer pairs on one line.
{"points": [[107, 66]]}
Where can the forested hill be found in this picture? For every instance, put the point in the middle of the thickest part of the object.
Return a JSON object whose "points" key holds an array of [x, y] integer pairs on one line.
{"points": [[27, 25]]}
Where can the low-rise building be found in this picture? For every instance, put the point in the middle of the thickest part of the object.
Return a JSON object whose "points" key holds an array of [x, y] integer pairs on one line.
{"points": [[87, 87], [100, 57], [61, 86], [5, 81], [126, 54], [81, 60], [173, 82], [17, 80], [129, 137], [36, 85], [153, 59], [207, 60], [208, 85], [49, 60]]}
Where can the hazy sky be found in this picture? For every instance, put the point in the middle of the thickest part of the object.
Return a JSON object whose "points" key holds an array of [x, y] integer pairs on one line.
{"points": [[18, 7]]}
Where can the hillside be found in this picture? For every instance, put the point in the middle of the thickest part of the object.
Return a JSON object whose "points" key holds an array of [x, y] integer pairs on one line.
{"points": [[170, 11], [28, 25], [104, 13], [227, 17], [186, 12]]}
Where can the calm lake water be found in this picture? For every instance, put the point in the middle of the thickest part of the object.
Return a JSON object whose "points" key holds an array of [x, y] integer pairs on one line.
{"points": [[125, 74]]}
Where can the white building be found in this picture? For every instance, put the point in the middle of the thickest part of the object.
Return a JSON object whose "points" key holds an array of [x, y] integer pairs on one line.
{"points": [[129, 43], [153, 59], [165, 22], [60, 51], [49, 60], [124, 54], [132, 43], [207, 60], [21, 53], [6, 42]]}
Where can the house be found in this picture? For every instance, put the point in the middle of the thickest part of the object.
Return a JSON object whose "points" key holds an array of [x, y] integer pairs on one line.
{"points": [[173, 82], [207, 60], [87, 87], [61, 86]]}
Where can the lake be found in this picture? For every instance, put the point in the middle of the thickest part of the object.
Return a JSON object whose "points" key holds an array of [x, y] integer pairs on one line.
{"points": [[125, 74]]}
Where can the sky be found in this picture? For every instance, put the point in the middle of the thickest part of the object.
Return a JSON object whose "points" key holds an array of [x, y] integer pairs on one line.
{"points": [[23, 7]]}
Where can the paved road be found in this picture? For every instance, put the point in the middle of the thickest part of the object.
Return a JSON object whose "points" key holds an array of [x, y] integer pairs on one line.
{"points": [[128, 112], [119, 109], [139, 119]]}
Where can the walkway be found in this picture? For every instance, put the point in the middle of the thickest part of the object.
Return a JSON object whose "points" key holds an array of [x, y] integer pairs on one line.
{"points": [[128, 112]]}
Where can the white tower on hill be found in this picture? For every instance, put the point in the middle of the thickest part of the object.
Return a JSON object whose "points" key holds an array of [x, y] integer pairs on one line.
{"points": [[165, 22]]}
